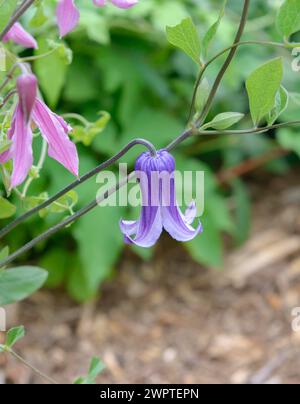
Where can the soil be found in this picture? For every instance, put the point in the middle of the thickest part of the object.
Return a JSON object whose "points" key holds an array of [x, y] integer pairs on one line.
{"points": [[173, 321]]}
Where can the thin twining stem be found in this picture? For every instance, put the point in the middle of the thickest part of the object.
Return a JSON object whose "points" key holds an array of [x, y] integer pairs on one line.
{"points": [[225, 66], [246, 131], [7, 98], [221, 53], [68, 221], [79, 181], [9, 77], [31, 367], [38, 168], [16, 16]]}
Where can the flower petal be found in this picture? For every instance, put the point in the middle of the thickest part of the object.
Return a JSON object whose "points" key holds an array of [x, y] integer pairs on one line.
{"points": [[129, 227], [27, 91], [21, 149], [190, 213], [124, 3], [60, 146], [99, 3], [177, 225], [149, 228], [18, 35], [67, 16]]}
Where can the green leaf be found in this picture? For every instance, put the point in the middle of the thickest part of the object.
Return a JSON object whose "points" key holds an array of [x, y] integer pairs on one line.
{"points": [[281, 104], [18, 283], [87, 134], [39, 17], [262, 87], [4, 145], [211, 33], [51, 72], [185, 37], [96, 367], [14, 335], [7, 209], [289, 139], [4, 253], [96, 26], [7, 8], [224, 120], [202, 94], [242, 212], [288, 19], [207, 248], [100, 243]]}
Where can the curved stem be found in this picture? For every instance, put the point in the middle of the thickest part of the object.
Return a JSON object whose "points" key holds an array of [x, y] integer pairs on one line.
{"points": [[245, 131], [18, 13], [34, 369], [80, 181], [226, 64], [9, 76], [7, 98], [38, 168], [221, 53], [66, 222]]}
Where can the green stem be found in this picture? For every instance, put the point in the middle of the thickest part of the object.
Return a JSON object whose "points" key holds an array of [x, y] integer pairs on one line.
{"points": [[66, 222], [77, 117], [74, 184], [245, 131], [226, 64], [16, 16], [37, 57], [223, 52], [31, 367], [38, 168]]}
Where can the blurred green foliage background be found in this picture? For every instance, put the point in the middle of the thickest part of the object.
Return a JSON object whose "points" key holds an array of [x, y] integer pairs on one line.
{"points": [[123, 64]]}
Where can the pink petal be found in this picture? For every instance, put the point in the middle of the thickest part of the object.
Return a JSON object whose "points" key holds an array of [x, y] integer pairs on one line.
{"points": [[124, 3], [21, 150], [60, 146], [18, 35], [99, 3], [27, 91], [67, 16]]}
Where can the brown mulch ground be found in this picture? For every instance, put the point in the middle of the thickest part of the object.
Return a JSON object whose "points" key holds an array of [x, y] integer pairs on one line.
{"points": [[172, 321]]}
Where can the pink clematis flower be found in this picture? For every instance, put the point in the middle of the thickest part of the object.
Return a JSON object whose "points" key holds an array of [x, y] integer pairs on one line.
{"points": [[68, 14], [18, 35], [54, 129]]}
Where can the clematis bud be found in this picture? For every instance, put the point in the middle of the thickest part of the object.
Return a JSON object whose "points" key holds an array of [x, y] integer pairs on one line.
{"points": [[27, 90], [18, 35]]}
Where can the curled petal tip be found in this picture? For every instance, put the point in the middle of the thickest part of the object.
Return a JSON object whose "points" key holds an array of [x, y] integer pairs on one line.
{"points": [[67, 16]]}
